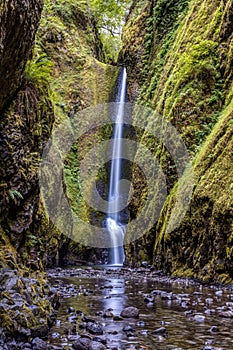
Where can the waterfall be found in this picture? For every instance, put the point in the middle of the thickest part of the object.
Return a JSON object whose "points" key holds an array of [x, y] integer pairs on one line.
{"points": [[114, 226]]}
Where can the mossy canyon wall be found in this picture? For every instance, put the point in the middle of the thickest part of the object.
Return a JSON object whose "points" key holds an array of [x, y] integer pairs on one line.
{"points": [[47, 80], [180, 63], [47, 75]]}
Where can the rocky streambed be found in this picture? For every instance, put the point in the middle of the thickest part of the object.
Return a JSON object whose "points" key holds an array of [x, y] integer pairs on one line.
{"points": [[139, 309], [111, 308]]}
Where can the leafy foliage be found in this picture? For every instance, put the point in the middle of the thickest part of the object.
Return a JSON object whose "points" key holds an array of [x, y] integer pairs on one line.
{"points": [[110, 20], [33, 98], [166, 13], [110, 13]]}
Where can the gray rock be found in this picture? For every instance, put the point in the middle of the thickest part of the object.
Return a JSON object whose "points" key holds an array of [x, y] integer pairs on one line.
{"points": [[128, 328], [161, 331], [130, 312], [100, 339], [149, 299], [108, 314], [94, 328], [144, 264], [226, 314], [97, 346], [39, 344], [11, 283], [214, 329], [82, 344], [199, 318]]}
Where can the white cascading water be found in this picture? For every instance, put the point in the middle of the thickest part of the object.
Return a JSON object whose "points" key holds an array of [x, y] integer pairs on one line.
{"points": [[115, 228]]}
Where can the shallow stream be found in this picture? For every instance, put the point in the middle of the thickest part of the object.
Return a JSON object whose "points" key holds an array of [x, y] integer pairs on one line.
{"points": [[194, 316]]}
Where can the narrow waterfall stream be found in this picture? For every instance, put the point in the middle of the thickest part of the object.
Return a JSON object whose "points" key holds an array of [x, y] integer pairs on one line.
{"points": [[115, 227]]}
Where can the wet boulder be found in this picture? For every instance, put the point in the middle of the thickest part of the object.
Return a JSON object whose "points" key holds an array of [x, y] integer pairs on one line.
{"points": [[130, 312], [39, 344], [82, 344], [94, 328]]}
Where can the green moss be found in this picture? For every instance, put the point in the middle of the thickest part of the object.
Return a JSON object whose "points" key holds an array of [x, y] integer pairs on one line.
{"points": [[80, 79], [183, 62], [205, 236]]}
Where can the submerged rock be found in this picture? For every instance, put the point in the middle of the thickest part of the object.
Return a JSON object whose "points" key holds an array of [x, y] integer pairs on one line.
{"points": [[128, 328], [88, 344], [199, 318], [97, 346]]}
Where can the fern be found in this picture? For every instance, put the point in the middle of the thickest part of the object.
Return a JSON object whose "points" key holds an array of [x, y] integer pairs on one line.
{"points": [[14, 195], [39, 70]]}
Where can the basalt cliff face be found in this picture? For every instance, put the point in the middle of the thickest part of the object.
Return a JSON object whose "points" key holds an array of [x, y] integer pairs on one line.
{"points": [[180, 63]]}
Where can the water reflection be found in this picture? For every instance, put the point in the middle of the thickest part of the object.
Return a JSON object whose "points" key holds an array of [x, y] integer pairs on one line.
{"points": [[98, 295], [114, 301], [116, 296]]}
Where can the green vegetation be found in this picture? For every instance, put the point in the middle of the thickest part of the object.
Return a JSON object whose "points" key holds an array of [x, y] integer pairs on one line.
{"points": [[80, 79], [183, 65], [202, 244], [47, 81], [178, 55], [39, 69], [14, 194], [110, 20]]}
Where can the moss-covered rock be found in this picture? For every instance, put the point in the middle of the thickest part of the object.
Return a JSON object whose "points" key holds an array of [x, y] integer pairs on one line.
{"points": [[25, 127], [183, 62]]}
